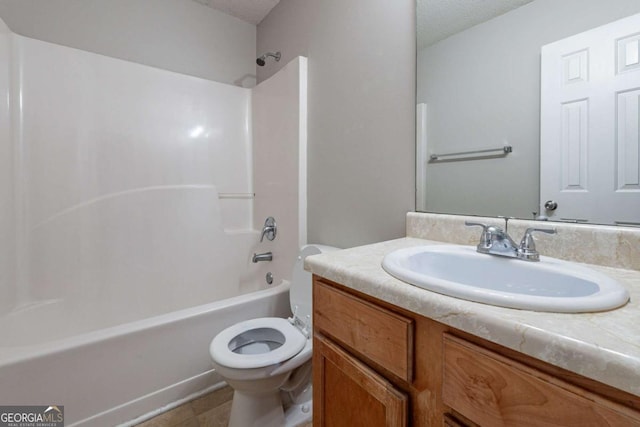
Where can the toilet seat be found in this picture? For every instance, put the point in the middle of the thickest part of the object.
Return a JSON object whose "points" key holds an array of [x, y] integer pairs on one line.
{"points": [[294, 341]]}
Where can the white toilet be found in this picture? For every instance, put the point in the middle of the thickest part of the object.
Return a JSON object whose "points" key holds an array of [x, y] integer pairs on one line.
{"points": [[267, 358]]}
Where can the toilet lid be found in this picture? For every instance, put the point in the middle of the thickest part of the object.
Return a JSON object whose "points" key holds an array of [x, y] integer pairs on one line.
{"points": [[300, 294], [290, 342]]}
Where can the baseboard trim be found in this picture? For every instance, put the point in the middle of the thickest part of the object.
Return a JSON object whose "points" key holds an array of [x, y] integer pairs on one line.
{"points": [[155, 403]]}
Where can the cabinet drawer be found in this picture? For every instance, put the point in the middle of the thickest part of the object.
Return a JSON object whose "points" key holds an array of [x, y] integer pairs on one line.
{"points": [[492, 390], [379, 335]]}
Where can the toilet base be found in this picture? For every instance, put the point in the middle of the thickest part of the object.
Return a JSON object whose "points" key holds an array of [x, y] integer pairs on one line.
{"points": [[298, 414], [256, 410], [266, 410]]}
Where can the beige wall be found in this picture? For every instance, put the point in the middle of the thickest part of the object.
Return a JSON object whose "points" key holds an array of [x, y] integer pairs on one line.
{"points": [[361, 111], [176, 35]]}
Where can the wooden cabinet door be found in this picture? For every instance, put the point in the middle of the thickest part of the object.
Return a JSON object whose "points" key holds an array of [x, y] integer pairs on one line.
{"points": [[348, 393], [495, 391]]}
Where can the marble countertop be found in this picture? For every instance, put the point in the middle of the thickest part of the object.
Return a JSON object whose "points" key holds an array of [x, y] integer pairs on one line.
{"points": [[602, 346]]}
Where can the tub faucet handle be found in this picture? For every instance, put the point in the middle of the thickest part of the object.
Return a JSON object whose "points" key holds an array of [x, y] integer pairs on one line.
{"points": [[270, 229]]}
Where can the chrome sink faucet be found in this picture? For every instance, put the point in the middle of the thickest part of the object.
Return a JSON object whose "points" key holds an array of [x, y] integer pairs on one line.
{"points": [[495, 241]]}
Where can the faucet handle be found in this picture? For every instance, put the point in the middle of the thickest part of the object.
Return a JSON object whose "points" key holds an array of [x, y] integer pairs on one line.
{"points": [[485, 237], [270, 229], [527, 249], [472, 224]]}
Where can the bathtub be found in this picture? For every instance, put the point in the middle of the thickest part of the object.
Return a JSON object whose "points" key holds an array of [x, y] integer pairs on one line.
{"points": [[117, 374]]}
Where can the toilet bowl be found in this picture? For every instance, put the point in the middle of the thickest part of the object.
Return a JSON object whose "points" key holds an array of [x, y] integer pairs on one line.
{"points": [[265, 358]]}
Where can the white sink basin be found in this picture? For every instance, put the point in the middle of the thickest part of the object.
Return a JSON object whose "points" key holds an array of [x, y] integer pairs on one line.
{"points": [[549, 285]]}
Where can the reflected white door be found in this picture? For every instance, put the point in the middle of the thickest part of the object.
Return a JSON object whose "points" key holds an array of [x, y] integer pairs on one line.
{"points": [[590, 115]]}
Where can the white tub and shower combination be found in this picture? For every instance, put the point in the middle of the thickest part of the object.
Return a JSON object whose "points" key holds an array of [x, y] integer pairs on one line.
{"points": [[127, 224]]}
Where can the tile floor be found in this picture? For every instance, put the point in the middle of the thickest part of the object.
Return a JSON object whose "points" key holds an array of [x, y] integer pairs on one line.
{"points": [[210, 410]]}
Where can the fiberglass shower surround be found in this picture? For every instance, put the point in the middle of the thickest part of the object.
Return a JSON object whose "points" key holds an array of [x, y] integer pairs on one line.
{"points": [[115, 187], [121, 217], [127, 206]]}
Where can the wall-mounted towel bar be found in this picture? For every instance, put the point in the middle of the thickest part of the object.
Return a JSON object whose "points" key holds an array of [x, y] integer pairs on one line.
{"points": [[472, 154]]}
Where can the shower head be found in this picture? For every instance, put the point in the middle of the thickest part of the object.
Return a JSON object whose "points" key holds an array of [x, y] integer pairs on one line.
{"points": [[263, 59]]}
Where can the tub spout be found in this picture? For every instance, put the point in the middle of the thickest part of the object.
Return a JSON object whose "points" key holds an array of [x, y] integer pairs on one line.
{"points": [[267, 256]]}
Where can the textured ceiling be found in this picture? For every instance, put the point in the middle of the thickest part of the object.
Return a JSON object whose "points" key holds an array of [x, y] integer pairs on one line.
{"points": [[251, 11], [439, 19]]}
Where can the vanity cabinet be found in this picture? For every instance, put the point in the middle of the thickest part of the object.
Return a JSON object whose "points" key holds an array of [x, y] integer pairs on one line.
{"points": [[379, 365], [344, 382], [379, 336]]}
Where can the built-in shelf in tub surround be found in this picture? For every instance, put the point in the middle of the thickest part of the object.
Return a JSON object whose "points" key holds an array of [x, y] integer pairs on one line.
{"points": [[587, 243], [602, 346]]}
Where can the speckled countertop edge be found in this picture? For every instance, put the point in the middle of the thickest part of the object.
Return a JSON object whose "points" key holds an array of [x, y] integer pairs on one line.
{"points": [[602, 346]]}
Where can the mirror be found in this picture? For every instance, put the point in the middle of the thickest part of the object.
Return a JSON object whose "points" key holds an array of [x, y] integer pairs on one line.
{"points": [[479, 94]]}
